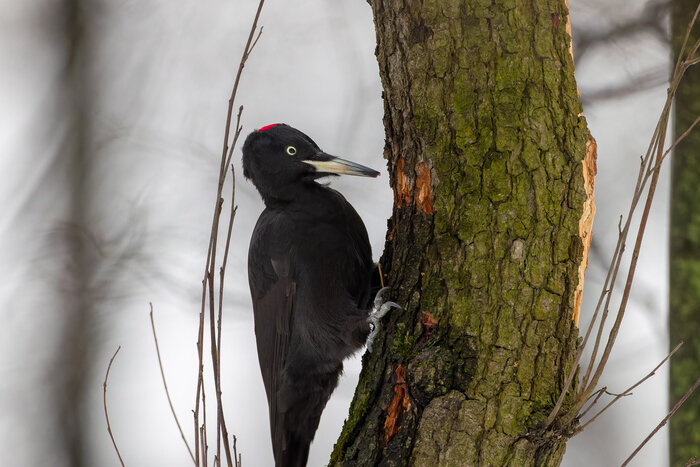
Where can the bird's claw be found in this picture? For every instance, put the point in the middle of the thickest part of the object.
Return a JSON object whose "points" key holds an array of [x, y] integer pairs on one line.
{"points": [[380, 310], [378, 297]]}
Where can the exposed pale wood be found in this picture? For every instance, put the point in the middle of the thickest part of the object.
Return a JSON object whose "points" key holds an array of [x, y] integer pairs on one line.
{"points": [[585, 225]]}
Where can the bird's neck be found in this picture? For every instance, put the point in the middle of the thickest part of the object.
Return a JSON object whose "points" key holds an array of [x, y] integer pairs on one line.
{"points": [[307, 193]]}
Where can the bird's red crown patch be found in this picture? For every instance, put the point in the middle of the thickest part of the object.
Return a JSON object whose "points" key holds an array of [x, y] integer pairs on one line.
{"points": [[267, 127]]}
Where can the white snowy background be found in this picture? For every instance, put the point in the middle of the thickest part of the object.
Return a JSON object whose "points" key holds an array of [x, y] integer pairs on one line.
{"points": [[160, 80]]}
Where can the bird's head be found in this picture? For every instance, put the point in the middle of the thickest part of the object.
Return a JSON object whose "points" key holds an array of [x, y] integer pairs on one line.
{"points": [[281, 160]]}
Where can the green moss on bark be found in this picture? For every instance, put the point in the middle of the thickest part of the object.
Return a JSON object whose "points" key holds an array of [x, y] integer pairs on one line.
{"points": [[482, 93]]}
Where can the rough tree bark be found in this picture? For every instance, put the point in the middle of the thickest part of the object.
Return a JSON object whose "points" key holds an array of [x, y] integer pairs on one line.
{"points": [[485, 146], [684, 267]]}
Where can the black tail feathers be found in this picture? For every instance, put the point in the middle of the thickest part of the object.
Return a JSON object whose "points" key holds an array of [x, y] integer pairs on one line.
{"points": [[294, 454]]}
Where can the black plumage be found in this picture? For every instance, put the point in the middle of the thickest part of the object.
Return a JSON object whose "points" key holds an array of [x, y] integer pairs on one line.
{"points": [[312, 281]]}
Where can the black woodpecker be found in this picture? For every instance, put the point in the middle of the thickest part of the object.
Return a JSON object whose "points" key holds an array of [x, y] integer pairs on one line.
{"points": [[312, 281]]}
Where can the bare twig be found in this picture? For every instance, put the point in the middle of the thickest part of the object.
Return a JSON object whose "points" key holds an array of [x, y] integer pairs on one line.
{"points": [[255, 41], [622, 242], [663, 422], [629, 390], [208, 285], [598, 394], [657, 146], [165, 385], [200, 372], [216, 335], [104, 402], [681, 137], [204, 447], [648, 175], [236, 455], [203, 429], [692, 461], [608, 286], [630, 276], [235, 138]]}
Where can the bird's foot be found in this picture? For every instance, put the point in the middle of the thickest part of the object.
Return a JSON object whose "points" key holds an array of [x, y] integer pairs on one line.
{"points": [[379, 311]]}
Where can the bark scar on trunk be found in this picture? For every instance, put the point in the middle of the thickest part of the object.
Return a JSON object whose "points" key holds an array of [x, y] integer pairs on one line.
{"points": [[429, 324], [403, 185], [425, 194], [585, 224], [417, 189], [398, 406]]}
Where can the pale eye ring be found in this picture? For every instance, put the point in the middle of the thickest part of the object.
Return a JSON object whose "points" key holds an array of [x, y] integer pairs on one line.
{"points": [[291, 150]]}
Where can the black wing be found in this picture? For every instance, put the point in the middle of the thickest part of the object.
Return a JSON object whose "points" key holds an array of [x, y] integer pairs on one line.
{"points": [[310, 276], [273, 291]]}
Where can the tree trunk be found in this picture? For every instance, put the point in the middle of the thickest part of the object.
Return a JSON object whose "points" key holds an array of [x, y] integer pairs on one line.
{"points": [[684, 293], [72, 363], [485, 147]]}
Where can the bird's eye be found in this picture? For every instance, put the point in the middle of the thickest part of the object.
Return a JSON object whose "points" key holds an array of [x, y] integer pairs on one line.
{"points": [[291, 150]]}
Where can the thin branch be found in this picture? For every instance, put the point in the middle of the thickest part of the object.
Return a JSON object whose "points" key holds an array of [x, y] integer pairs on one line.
{"points": [[598, 394], [605, 295], [203, 429], [209, 276], [611, 279], [222, 270], [681, 137], [629, 390], [208, 280], [234, 208], [622, 237], [685, 39], [200, 369], [609, 284], [663, 422], [165, 385], [621, 394], [235, 138], [642, 178], [200, 442], [648, 173], [220, 424], [104, 402], [630, 278], [659, 145], [236, 455], [254, 43], [692, 461], [204, 447]]}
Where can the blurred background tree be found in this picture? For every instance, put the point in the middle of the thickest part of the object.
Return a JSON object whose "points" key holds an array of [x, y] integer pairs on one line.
{"points": [[684, 293], [75, 302]]}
